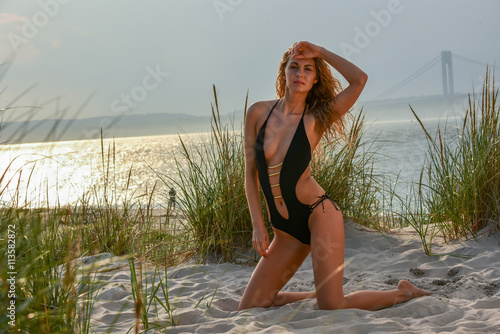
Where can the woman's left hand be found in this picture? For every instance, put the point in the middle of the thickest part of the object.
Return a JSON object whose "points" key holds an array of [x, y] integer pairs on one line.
{"points": [[305, 50]]}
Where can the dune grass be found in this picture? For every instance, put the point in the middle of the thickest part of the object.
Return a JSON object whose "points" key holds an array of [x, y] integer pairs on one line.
{"points": [[461, 177], [54, 293], [210, 178], [344, 169]]}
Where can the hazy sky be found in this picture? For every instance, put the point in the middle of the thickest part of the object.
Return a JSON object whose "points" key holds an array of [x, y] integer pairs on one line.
{"points": [[164, 56]]}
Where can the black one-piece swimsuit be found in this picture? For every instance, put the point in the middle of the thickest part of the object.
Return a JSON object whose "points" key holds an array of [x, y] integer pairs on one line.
{"points": [[295, 163]]}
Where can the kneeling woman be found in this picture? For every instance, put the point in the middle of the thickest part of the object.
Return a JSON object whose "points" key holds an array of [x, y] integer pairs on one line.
{"points": [[280, 136]]}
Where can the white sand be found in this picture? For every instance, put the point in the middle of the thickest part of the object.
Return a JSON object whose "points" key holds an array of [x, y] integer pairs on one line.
{"points": [[466, 292]]}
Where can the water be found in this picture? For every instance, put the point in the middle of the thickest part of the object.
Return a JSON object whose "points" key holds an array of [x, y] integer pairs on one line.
{"points": [[63, 172]]}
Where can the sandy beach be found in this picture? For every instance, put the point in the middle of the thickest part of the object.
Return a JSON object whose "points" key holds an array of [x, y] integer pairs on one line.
{"points": [[203, 297]]}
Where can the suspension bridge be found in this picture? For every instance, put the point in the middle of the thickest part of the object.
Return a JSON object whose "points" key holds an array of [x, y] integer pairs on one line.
{"points": [[443, 85]]}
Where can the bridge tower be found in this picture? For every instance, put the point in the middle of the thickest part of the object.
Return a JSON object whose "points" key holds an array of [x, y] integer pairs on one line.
{"points": [[447, 69]]}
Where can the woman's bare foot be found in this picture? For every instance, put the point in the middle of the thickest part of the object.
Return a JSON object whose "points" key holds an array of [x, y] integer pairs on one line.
{"points": [[411, 291]]}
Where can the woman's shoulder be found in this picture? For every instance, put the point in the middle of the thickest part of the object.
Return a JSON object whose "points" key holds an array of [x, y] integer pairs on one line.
{"points": [[255, 116], [260, 105], [256, 109]]}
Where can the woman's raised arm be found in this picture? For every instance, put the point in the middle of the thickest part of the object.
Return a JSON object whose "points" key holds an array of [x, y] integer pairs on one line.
{"points": [[353, 74]]}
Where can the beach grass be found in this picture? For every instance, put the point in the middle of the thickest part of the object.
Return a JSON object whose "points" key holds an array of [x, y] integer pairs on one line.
{"points": [[54, 291], [461, 176], [344, 168], [457, 193], [210, 178]]}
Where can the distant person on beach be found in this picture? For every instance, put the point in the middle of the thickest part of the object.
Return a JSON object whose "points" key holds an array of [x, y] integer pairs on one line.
{"points": [[280, 136], [172, 193]]}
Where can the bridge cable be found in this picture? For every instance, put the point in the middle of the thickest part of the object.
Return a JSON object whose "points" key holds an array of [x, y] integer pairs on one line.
{"points": [[477, 62], [409, 78]]}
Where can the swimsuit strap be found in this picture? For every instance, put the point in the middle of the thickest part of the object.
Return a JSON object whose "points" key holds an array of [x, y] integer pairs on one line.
{"points": [[271, 111], [320, 201], [303, 113]]}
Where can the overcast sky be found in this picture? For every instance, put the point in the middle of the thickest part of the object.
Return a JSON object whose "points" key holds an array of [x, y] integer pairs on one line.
{"points": [[163, 56]]}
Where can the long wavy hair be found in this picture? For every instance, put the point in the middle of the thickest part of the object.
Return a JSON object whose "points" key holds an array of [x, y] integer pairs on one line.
{"points": [[321, 97]]}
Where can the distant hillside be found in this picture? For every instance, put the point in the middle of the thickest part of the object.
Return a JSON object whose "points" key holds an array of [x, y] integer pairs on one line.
{"points": [[112, 126]]}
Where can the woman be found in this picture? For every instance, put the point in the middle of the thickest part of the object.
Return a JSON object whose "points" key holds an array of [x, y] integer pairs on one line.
{"points": [[279, 138]]}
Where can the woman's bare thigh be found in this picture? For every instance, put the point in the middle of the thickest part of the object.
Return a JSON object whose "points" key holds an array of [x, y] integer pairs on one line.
{"points": [[285, 256], [327, 253]]}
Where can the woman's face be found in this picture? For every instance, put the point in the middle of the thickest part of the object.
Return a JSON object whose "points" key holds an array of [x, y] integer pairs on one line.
{"points": [[300, 74]]}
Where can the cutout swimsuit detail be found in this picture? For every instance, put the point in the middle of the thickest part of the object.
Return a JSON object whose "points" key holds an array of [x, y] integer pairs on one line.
{"points": [[274, 174], [294, 164]]}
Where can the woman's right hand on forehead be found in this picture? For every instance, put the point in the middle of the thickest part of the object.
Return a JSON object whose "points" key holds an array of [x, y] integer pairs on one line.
{"points": [[304, 49]]}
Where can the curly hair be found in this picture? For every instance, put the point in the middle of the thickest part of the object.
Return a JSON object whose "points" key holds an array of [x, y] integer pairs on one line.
{"points": [[321, 97]]}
